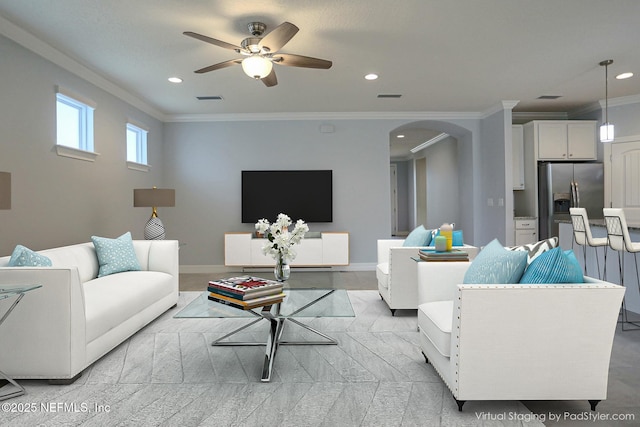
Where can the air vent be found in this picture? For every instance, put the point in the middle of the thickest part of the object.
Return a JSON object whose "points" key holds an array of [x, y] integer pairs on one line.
{"points": [[550, 97], [389, 95], [209, 98]]}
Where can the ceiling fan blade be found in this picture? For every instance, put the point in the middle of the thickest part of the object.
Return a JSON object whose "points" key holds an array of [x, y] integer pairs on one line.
{"points": [[278, 37], [301, 61], [213, 41], [218, 66], [271, 79]]}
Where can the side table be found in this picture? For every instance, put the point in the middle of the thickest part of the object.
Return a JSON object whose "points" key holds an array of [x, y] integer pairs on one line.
{"points": [[12, 388]]}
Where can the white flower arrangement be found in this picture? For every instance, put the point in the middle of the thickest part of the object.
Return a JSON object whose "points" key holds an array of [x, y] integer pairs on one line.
{"points": [[280, 239]]}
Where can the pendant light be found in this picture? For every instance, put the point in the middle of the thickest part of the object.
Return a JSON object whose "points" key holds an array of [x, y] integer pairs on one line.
{"points": [[606, 129]]}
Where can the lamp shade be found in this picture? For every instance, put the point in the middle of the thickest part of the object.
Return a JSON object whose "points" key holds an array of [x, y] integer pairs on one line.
{"points": [[256, 66], [154, 197], [5, 190]]}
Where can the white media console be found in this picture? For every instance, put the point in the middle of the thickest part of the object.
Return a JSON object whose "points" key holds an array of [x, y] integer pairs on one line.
{"points": [[315, 250]]}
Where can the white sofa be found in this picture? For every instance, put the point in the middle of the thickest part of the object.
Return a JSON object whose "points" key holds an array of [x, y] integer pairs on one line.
{"points": [[517, 342], [75, 318], [397, 273]]}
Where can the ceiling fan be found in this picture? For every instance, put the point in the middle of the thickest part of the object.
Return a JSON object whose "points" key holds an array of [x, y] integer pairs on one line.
{"points": [[262, 52]]}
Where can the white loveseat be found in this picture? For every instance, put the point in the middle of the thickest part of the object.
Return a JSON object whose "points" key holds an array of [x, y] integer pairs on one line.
{"points": [[517, 342], [396, 272], [75, 318]]}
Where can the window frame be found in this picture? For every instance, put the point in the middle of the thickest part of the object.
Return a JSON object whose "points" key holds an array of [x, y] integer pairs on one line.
{"points": [[141, 163], [85, 108]]}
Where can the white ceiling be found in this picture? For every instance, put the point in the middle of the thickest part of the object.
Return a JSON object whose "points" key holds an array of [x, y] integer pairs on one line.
{"points": [[441, 56]]}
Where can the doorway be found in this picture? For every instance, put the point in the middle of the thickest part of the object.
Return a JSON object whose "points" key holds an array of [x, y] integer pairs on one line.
{"points": [[394, 199], [624, 174], [420, 186]]}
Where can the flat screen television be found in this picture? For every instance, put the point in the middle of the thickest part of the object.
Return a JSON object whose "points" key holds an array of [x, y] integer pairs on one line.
{"points": [[301, 194]]}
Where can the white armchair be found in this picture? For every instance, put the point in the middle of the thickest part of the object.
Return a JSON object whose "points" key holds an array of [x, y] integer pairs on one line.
{"points": [[396, 272], [517, 342]]}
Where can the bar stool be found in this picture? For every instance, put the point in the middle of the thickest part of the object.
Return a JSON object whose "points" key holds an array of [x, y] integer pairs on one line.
{"points": [[582, 236], [620, 241]]}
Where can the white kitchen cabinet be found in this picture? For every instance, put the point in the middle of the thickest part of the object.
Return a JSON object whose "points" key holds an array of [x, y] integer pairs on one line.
{"points": [[517, 151], [526, 231], [567, 140]]}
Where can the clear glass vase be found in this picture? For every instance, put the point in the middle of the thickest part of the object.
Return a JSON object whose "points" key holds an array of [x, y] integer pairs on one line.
{"points": [[282, 270]]}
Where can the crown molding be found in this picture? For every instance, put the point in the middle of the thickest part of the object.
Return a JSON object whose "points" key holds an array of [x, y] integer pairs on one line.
{"points": [[529, 116], [621, 101], [589, 108], [48, 52], [364, 115], [600, 105], [501, 106]]}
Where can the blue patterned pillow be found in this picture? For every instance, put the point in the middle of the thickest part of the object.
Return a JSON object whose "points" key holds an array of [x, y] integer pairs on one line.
{"points": [[554, 266], [418, 237], [496, 264], [25, 257], [534, 250], [115, 255]]}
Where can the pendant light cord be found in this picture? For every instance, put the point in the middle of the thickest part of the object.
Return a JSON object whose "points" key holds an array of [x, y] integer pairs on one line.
{"points": [[606, 64]]}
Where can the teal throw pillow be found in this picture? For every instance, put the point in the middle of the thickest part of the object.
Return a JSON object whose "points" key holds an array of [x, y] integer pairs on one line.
{"points": [[418, 237], [25, 257], [496, 265], [554, 266], [115, 255]]}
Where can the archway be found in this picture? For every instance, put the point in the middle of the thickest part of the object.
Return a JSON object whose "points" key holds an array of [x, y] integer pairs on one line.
{"points": [[433, 162]]}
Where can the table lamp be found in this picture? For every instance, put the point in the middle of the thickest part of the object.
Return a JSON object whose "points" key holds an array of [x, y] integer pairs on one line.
{"points": [[5, 190], [154, 198]]}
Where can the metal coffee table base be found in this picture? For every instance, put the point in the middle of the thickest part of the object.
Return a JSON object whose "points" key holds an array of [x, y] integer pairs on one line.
{"points": [[12, 388], [274, 339]]}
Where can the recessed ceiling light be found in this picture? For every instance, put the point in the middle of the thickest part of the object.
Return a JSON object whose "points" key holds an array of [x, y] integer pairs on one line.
{"points": [[624, 76], [175, 79], [400, 136], [371, 76]]}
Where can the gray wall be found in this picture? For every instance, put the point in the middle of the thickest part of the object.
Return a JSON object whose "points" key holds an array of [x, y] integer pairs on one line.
{"points": [[626, 120], [204, 161], [443, 201], [58, 200], [491, 161]]}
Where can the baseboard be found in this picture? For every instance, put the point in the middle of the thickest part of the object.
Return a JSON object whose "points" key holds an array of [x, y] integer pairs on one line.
{"points": [[204, 269]]}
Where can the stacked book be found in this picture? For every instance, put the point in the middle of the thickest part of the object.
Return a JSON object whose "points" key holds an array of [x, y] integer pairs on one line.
{"points": [[452, 255], [245, 292]]}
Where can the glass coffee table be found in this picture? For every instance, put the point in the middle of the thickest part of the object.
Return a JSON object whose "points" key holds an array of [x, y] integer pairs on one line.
{"points": [[12, 388], [298, 303]]}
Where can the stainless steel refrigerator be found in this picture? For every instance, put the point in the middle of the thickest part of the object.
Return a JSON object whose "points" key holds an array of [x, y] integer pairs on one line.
{"points": [[566, 185]]}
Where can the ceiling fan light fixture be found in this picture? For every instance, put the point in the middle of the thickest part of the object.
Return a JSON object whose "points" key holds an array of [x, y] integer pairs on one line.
{"points": [[256, 67]]}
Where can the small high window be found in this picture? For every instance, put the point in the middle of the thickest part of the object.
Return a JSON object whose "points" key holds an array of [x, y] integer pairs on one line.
{"points": [[136, 144], [74, 126]]}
